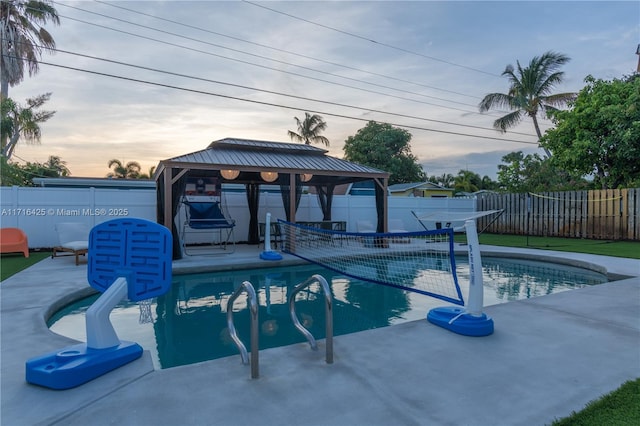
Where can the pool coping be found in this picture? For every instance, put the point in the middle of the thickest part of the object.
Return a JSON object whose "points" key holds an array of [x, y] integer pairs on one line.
{"points": [[23, 323], [182, 270]]}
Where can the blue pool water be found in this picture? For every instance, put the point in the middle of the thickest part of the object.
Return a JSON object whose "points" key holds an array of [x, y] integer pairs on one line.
{"points": [[188, 324]]}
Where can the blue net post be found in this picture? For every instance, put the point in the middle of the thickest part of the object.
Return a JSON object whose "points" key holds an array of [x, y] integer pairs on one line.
{"points": [[269, 254], [476, 286], [469, 321]]}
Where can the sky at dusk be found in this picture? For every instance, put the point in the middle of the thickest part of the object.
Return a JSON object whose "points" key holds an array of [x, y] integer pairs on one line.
{"points": [[146, 81]]}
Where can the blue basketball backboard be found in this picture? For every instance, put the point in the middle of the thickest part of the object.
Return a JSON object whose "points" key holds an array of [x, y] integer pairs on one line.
{"points": [[137, 249]]}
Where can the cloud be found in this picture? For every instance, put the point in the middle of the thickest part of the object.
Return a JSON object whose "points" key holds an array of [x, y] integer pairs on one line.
{"points": [[482, 163], [99, 117]]}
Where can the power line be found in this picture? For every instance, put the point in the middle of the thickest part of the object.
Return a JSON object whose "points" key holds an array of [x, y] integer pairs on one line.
{"points": [[270, 59], [291, 52], [266, 91], [271, 104], [276, 93], [267, 67], [401, 49], [252, 88]]}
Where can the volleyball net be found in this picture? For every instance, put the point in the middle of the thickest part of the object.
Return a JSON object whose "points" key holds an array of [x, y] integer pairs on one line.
{"points": [[421, 262], [455, 220]]}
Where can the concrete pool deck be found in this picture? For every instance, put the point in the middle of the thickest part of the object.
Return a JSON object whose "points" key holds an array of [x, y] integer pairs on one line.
{"points": [[548, 357]]}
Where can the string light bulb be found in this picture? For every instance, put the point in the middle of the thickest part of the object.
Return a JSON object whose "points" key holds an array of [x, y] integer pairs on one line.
{"points": [[269, 176], [230, 174]]}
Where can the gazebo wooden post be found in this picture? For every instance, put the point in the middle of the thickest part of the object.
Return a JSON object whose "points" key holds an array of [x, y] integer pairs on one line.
{"points": [[382, 183], [168, 181], [385, 204], [292, 197], [291, 238], [168, 197]]}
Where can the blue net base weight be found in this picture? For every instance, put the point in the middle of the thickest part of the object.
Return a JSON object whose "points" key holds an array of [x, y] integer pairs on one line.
{"points": [[459, 321]]}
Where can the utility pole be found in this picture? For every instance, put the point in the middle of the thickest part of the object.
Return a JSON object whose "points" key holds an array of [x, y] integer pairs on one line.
{"points": [[638, 53]]}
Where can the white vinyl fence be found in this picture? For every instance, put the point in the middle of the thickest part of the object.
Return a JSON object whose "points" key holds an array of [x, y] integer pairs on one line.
{"points": [[37, 210]]}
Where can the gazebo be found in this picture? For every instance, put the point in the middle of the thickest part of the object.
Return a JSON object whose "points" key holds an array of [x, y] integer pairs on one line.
{"points": [[254, 163]]}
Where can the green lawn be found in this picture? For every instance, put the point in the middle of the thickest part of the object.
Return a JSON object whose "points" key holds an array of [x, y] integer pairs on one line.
{"points": [[628, 249], [13, 263], [619, 408]]}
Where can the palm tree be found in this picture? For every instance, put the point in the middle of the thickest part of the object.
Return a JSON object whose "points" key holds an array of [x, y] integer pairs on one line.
{"points": [[309, 129], [488, 183], [149, 175], [446, 180], [129, 171], [18, 121], [467, 181], [529, 92], [23, 38], [57, 166]]}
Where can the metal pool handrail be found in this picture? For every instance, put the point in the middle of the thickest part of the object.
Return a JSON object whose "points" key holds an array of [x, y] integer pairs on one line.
{"points": [[253, 307], [328, 313]]}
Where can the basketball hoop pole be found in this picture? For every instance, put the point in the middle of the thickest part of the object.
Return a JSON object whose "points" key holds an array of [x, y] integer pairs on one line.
{"points": [[100, 332]]}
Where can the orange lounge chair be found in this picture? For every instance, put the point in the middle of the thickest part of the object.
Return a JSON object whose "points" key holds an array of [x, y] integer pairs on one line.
{"points": [[13, 240]]}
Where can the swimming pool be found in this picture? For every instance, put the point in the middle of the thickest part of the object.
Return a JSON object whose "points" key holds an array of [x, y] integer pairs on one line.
{"points": [[188, 324]]}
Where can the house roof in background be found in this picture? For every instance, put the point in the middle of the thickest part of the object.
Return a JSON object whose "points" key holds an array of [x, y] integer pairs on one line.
{"points": [[401, 187], [82, 182]]}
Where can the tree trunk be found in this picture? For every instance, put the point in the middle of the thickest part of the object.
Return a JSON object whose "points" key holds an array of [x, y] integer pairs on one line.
{"points": [[4, 92], [7, 151], [539, 133], [4, 88]]}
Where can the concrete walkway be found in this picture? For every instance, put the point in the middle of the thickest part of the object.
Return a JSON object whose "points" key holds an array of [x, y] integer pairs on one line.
{"points": [[548, 356]]}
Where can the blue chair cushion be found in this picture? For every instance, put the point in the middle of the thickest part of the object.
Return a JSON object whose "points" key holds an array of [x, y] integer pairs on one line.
{"points": [[203, 215]]}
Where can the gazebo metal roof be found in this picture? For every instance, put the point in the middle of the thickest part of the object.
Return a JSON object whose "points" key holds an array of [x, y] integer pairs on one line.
{"points": [[256, 156]]}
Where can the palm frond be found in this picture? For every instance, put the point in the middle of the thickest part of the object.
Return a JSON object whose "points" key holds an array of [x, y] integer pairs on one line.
{"points": [[559, 99], [545, 85], [295, 136], [505, 122], [495, 100], [115, 161], [321, 139], [551, 61]]}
